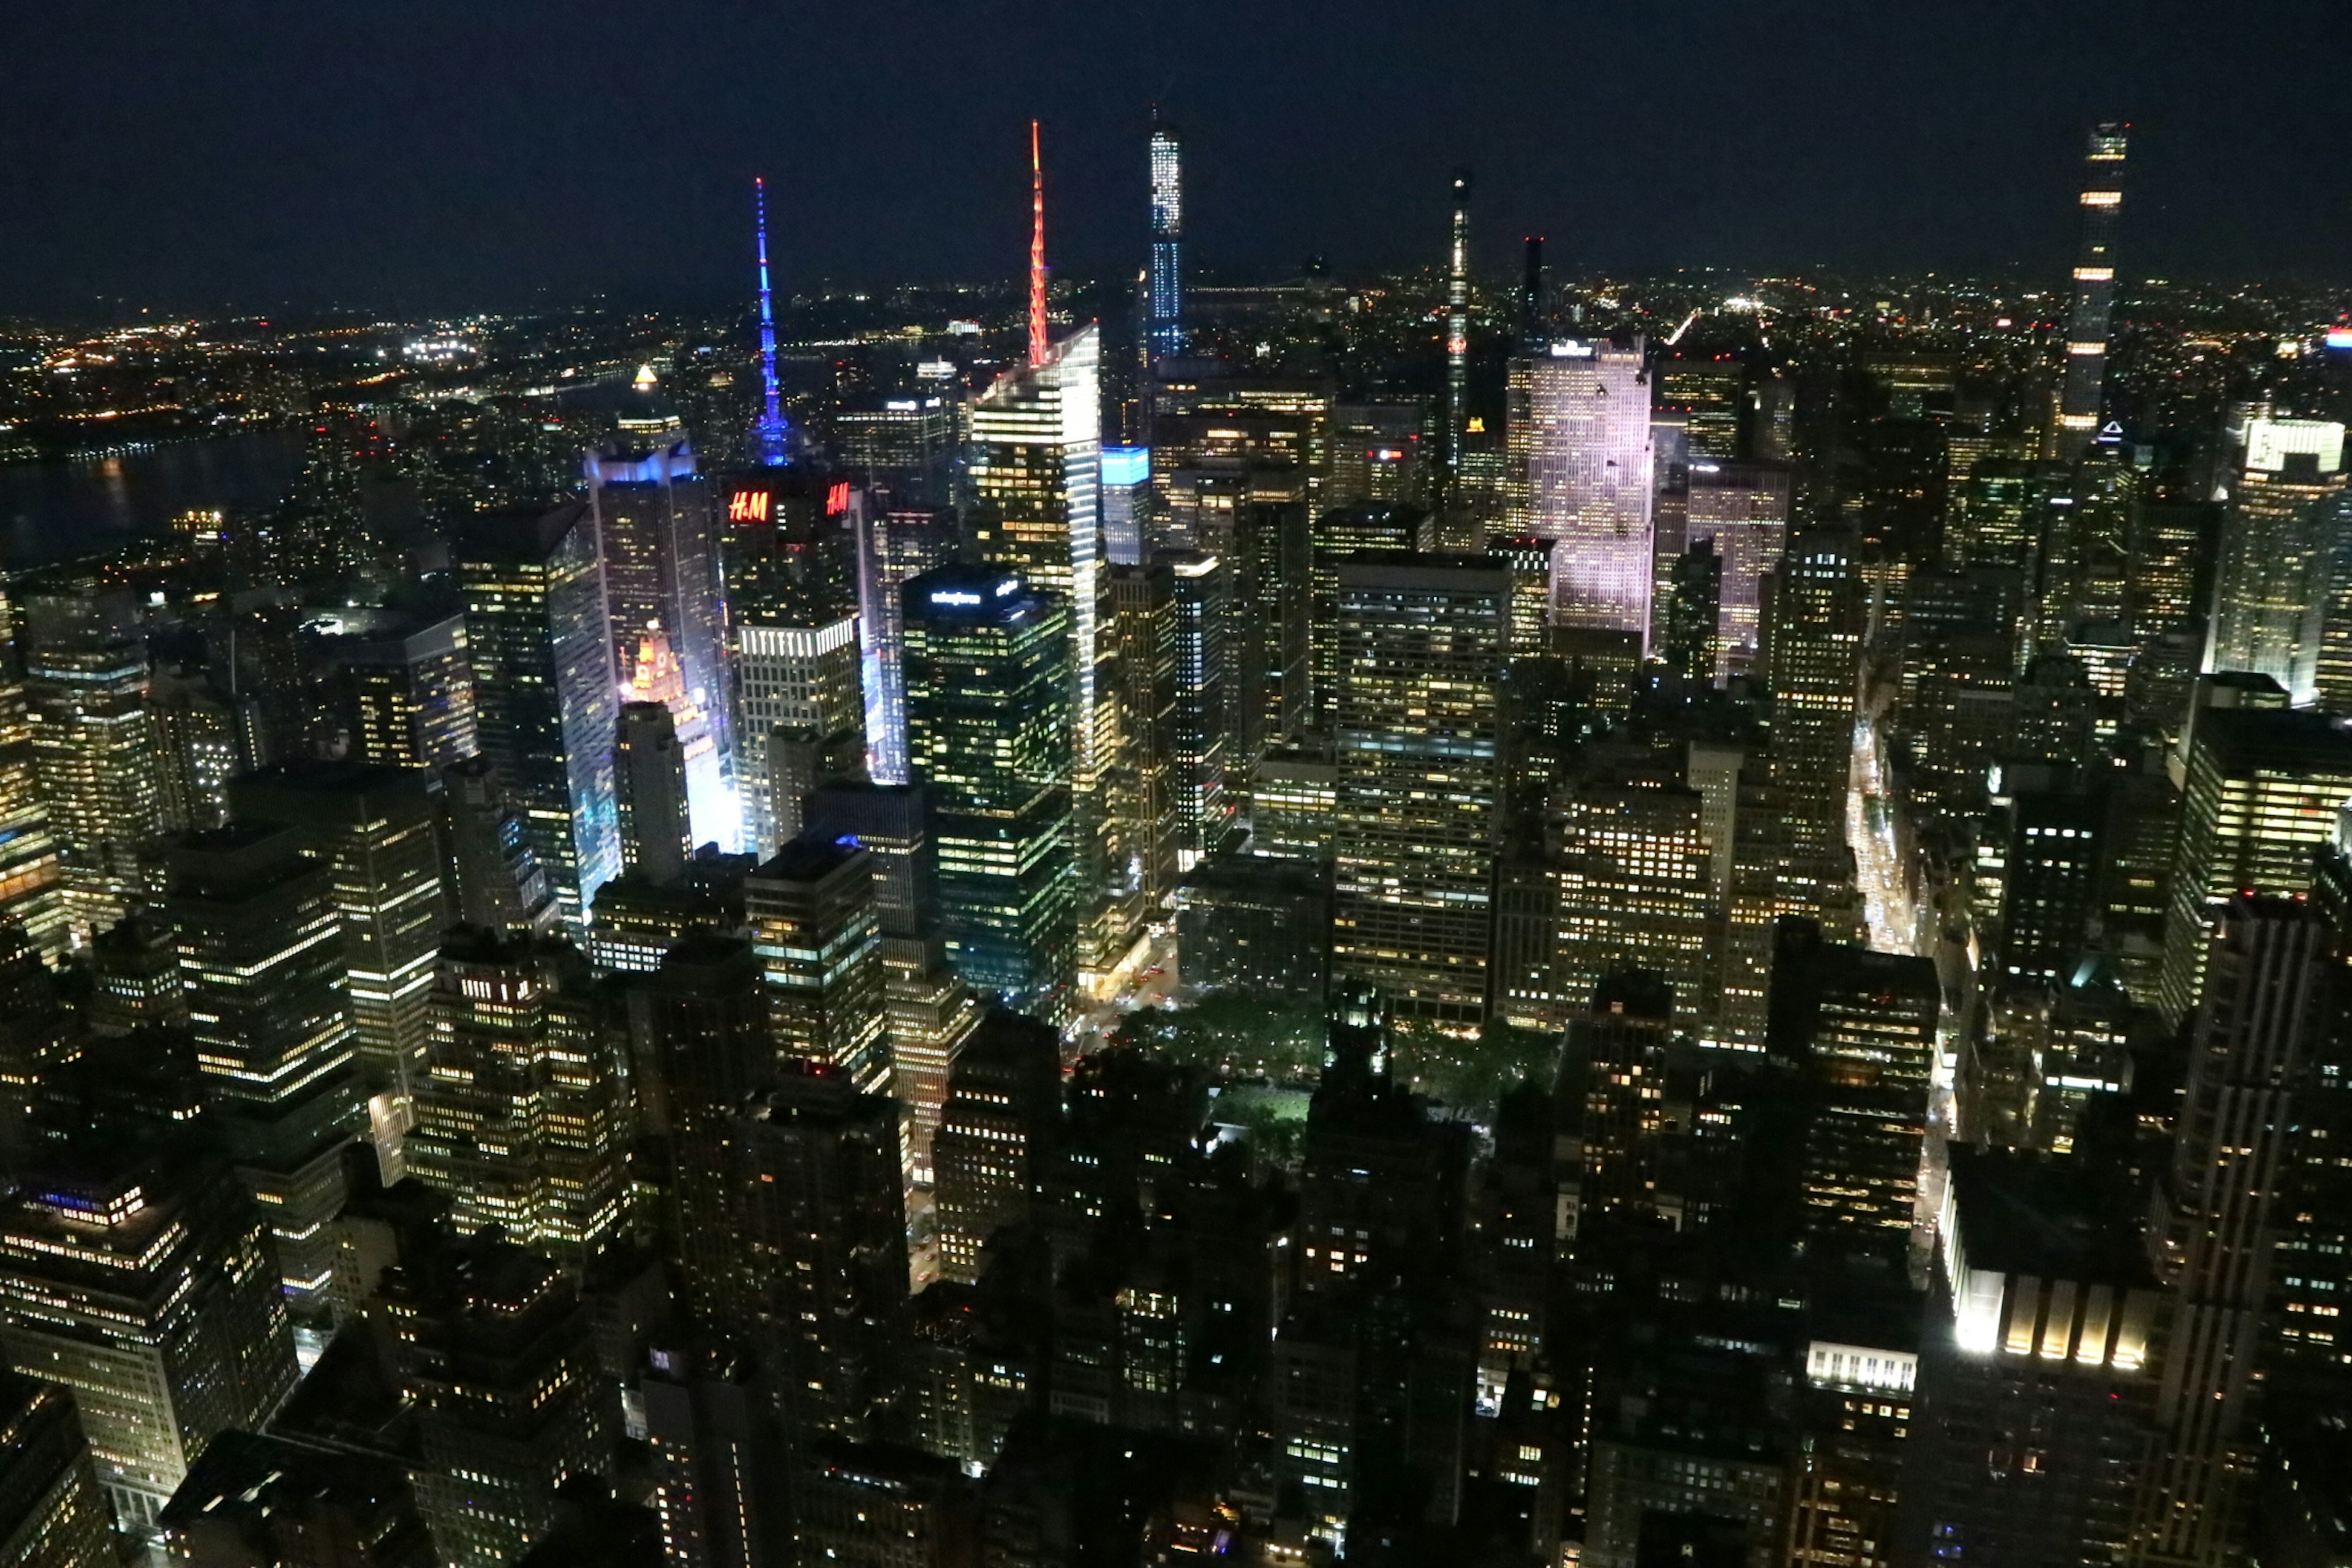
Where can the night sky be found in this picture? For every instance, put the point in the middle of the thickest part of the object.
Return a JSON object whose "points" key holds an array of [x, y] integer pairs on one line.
{"points": [[451, 153]]}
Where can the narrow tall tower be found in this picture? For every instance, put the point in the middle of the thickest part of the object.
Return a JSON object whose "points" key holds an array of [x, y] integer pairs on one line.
{"points": [[1457, 326], [1165, 334], [2095, 289], [1532, 290], [771, 437], [1036, 252]]}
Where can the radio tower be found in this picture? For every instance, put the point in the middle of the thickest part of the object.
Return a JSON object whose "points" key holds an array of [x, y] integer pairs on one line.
{"points": [[1036, 252], [771, 437]]}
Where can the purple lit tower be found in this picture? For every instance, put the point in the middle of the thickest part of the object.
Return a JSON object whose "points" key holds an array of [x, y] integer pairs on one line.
{"points": [[772, 435]]}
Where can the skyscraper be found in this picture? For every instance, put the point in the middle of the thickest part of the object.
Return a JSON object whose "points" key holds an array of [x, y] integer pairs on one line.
{"points": [[988, 722], [1034, 469], [1457, 328], [1861, 1027], [498, 1360], [825, 1224], [1812, 661], [804, 705], [657, 526], [377, 828], [1580, 474], [2094, 288], [544, 694], [523, 1120], [1164, 331], [2262, 792], [898, 547], [52, 1511], [143, 1282], [2264, 1012], [2037, 1372], [262, 954], [930, 1012], [1743, 509], [996, 1135], [649, 792], [818, 928], [1422, 640], [410, 695], [31, 863], [85, 682], [2281, 552]]}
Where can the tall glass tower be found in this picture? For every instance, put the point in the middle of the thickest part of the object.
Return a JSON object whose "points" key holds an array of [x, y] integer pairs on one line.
{"points": [[1036, 472], [1457, 327], [1165, 331], [2095, 288], [546, 703], [988, 735]]}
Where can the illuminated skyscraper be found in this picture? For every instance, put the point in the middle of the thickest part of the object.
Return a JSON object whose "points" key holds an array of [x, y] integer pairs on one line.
{"points": [[2037, 1373], [649, 792], [996, 1136], [2280, 555], [2265, 1014], [1035, 471], [988, 737], [802, 697], [141, 1281], [200, 745], [1164, 331], [1144, 599], [410, 697], [263, 957], [898, 547], [1422, 640], [378, 828], [1860, 1027], [31, 867], [86, 683], [825, 1225], [1742, 508], [1580, 474], [2095, 289], [523, 1121], [498, 1361], [818, 928], [544, 692], [2263, 790], [1458, 330], [1812, 661], [930, 1011], [1637, 891], [656, 525], [53, 1513]]}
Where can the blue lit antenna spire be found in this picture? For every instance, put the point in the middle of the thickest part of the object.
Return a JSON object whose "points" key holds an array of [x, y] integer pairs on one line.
{"points": [[772, 437]]}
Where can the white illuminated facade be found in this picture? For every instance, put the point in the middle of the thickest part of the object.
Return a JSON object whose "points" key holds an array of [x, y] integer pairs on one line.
{"points": [[2278, 556], [1036, 472], [794, 686], [1581, 467]]}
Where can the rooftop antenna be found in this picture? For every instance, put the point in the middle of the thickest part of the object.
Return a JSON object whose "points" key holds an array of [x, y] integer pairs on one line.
{"points": [[1036, 252], [771, 437]]}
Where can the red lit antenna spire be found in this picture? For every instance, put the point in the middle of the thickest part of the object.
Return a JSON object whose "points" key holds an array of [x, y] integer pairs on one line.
{"points": [[1036, 252]]}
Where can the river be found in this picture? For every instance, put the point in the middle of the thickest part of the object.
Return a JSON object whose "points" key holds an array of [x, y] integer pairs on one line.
{"points": [[55, 512]]}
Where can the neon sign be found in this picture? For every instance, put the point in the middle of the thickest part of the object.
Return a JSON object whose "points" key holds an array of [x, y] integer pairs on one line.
{"points": [[749, 506], [836, 499]]}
